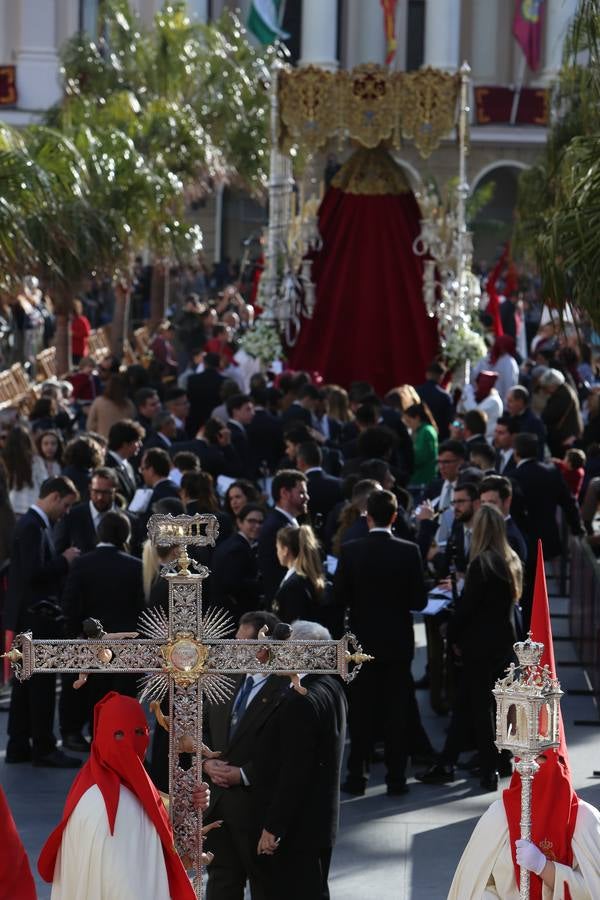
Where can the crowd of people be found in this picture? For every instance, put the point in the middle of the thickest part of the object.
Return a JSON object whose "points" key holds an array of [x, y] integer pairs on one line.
{"points": [[337, 510]]}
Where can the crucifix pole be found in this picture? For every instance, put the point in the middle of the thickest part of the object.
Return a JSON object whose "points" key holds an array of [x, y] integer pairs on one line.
{"points": [[185, 656]]}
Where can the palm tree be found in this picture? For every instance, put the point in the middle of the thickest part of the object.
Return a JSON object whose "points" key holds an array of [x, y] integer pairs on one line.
{"points": [[559, 198]]}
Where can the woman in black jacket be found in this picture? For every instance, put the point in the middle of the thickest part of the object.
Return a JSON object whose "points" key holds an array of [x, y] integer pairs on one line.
{"points": [[301, 592], [482, 634]]}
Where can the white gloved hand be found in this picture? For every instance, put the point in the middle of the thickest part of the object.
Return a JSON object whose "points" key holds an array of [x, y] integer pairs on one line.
{"points": [[530, 857]]}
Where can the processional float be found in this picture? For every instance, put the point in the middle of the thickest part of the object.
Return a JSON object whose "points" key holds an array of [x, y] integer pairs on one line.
{"points": [[527, 724], [184, 656], [367, 107]]}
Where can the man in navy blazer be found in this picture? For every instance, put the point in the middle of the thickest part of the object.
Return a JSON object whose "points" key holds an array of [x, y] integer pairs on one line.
{"points": [[35, 582]]}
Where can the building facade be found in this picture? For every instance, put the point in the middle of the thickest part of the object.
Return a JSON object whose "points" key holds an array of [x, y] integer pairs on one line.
{"points": [[335, 34]]}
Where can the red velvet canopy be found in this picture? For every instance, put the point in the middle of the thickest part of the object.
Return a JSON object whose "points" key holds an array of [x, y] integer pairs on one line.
{"points": [[369, 321]]}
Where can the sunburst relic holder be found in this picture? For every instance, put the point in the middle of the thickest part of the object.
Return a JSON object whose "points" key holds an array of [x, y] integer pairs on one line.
{"points": [[185, 657], [527, 724]]}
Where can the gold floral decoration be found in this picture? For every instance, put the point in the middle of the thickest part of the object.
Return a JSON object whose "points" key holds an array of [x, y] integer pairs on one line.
{"points": [[368, 104], [427, 107], [309, 107]]}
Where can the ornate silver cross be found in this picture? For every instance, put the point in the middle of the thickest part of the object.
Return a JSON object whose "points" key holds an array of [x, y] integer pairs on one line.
{"points": [[185, 656]]}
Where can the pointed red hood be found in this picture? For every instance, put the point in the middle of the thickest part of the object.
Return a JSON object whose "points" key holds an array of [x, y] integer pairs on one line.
{"points": [[117, 757], [16, 880], [554, 802]]}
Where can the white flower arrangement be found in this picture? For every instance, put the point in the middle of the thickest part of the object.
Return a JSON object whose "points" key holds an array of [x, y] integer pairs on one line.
{"points": [[263, 342], [462, 344]]}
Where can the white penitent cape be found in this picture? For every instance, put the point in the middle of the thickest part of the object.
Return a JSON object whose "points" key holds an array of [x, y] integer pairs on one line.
{"points": [[486, 872], [92, 864]]}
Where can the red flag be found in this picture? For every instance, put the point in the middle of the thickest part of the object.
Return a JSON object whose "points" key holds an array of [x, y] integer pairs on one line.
{"points": [[493, 307], [389, 24], [527, 29]]}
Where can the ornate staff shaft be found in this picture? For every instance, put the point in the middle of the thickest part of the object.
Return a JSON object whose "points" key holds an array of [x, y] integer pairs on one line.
{"points": [[527, 769]]}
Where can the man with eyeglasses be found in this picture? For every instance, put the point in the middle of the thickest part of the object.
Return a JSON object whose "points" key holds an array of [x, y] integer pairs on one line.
{"points": [[79, 528], [234, 579], [435, 512]]}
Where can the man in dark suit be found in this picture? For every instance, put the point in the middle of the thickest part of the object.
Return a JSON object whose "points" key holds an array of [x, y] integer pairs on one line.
{"points": [[437, 399], [124, 443], [265, 433], [504, 432], [106, 584], [213, 448], [155, 468], [517, 403], [543, 490], [148, 405], [475, 426], [324, 491], [234, 582], [290, 495], [204, 392], [240, 410], [297, 763], [465, 503], [231, 729], [301, 410], [79, 528], [497, 490], [163, 433], [379, 579], [34, 586]]}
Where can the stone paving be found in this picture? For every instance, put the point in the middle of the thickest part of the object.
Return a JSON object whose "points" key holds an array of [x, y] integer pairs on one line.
{"points": [[402, 848]]}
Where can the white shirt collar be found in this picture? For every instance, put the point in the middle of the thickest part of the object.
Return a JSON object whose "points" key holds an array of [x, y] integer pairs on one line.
{"points": [[523, 461], [313, 469], [105, 544], [167, 441], [41, 514], [373, 530]]}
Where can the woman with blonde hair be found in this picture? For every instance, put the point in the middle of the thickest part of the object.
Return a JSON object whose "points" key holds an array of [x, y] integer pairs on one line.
{"points": [[482, 633], [303, 585], [338, 404]]}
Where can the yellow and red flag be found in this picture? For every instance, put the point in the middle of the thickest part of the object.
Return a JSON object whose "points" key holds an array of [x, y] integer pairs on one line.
{"points": [[389, 24]]}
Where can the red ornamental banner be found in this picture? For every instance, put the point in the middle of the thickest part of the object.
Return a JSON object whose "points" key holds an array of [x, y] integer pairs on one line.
{"points": [[527, 29], [493, 105], [8, 86]]}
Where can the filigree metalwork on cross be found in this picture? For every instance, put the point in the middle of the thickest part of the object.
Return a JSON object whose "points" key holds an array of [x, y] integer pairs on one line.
{"points": [[185, 656]]}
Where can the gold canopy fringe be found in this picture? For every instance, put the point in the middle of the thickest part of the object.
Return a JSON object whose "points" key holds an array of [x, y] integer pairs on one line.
{"points": [[371, 172], [368, 105]]}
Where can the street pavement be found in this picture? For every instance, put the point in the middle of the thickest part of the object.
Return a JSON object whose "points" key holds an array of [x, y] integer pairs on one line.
{"points": [[401, 848]]}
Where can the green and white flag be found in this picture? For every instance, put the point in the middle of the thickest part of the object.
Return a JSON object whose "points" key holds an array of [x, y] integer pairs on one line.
{"points": [[263, 21]]}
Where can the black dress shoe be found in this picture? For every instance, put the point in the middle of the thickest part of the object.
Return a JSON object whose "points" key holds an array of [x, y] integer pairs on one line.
{"points": [[76, 742], [439, 773], [21, 756], [397, 789], [57, 760], [489, 781], [354, 786]]}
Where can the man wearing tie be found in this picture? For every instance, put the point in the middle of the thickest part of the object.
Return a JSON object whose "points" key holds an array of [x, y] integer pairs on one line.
{"points": [[124, 442], [34, 587], [231, 728], [79, 528]]}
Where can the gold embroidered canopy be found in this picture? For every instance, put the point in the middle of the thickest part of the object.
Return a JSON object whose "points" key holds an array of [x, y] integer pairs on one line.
{"points": [[368, 104]]}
